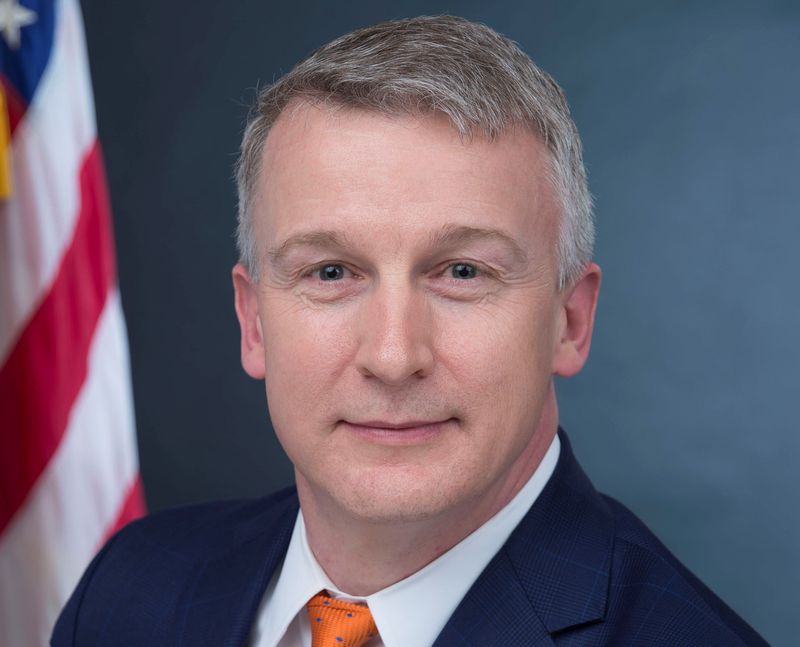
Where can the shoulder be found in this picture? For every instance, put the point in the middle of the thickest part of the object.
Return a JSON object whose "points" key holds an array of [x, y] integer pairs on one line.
{"points": [[657, 599], [192, 534], [147, 569], [596, 575], [196, 531]]}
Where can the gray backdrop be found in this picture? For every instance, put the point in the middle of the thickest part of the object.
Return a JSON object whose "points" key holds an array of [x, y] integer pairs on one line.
{"points": [[689, 114]]}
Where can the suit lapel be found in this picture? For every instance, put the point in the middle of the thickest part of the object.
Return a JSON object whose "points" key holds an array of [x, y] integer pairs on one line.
{"points": [[562, 549], [495, 611], [552, 573], [220, 607]]}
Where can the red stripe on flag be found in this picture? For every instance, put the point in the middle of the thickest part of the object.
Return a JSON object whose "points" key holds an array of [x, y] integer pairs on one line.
{"points": [[47, 367], [15, 104], [132, 508]]}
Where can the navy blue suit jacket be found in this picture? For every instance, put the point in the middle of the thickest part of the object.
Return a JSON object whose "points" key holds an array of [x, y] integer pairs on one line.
{"points": [[580, 570]]}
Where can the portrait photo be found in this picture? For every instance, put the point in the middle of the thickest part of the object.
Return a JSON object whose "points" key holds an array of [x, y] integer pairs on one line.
{"points": [[399, 323]]}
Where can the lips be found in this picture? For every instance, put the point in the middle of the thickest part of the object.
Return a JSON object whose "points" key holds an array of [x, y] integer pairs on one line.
{"points": [[396, 426], [394, 432]]}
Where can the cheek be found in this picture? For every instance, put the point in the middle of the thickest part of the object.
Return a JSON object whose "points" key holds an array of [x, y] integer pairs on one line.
{"points": [[305, 350], [498, 344], [502, 365]]}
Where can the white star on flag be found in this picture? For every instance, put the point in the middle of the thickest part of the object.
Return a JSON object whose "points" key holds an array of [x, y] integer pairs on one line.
{"points": [[12, 18]]}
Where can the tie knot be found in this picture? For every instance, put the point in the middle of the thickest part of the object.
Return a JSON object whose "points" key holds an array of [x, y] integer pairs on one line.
{"points": [[336, 623]]}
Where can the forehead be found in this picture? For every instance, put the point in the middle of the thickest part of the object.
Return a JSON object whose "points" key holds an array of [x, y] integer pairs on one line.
{"points": [[333, 168]]}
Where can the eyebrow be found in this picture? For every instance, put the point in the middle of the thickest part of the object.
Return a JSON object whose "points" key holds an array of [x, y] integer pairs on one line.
{"points": [[323, 238], [447, 236], [454, 235]]}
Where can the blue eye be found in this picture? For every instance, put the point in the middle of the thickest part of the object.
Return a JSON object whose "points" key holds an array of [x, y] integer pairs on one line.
{"points": [[330, 273], [463, 271]]}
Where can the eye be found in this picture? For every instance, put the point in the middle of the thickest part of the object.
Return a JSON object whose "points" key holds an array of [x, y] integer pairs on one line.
{"points": [[463, 271], [332, 272]]}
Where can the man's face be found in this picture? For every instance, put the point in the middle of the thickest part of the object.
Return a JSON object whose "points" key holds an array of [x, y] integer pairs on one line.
{"points": [[407, 318]]}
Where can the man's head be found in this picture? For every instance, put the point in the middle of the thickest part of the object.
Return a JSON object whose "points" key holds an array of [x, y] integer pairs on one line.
{"points": [[415, 234]]}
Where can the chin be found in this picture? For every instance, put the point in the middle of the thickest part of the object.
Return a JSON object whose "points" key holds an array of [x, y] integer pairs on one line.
{"points": [[402, 497]]}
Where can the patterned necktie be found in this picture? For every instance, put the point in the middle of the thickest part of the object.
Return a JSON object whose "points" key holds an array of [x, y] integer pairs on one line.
{"points": [[335, 623]]}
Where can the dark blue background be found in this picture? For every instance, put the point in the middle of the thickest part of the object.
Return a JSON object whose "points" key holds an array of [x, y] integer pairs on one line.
{"points": [[691, 122]]}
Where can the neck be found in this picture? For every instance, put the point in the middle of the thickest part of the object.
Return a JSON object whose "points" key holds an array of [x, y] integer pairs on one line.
{"points": [[368, 556]]}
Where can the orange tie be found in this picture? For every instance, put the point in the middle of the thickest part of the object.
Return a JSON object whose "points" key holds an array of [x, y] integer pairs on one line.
{"points": [[335, 623]]}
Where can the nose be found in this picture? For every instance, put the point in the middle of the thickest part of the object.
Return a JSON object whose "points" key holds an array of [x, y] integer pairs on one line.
{"points": [[395, 335]]}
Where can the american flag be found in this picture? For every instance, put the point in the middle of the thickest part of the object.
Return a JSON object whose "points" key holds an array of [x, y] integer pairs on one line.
{"points": [[69, 471]]}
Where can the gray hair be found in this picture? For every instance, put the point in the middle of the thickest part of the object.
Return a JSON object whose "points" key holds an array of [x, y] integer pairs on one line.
{"points": [[482, 81]]}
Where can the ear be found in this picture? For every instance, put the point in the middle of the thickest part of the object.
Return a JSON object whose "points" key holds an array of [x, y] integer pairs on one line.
{"points": [[246, 303], [576, 321]]}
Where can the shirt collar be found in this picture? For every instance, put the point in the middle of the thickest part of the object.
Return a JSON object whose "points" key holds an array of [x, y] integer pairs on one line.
{"points": [[445, 580]]}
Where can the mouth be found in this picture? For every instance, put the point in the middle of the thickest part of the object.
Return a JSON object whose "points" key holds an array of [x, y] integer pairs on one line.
{"points": [[404, 432]]}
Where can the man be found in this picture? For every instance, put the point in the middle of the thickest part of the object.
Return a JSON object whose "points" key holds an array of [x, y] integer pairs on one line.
{"points": [[415, 233]]}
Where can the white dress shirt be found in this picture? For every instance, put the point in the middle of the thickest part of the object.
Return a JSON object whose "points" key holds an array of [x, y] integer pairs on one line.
{"points": [[409, 613]]}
